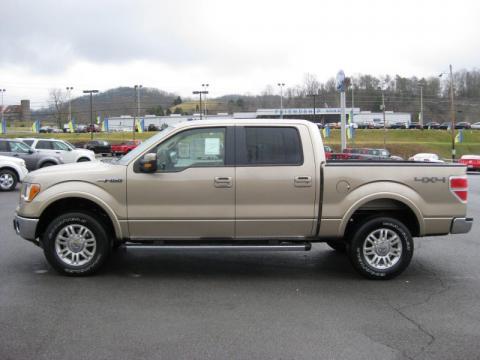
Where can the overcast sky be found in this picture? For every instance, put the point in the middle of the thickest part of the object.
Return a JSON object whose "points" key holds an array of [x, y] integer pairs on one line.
{"points": [[236, 46]]}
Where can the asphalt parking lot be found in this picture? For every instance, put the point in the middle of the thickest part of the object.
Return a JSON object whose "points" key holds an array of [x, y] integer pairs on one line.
{"points": [[216, 305]]}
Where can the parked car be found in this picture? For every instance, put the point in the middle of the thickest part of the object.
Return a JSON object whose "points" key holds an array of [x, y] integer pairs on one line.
{"points": [[328, 151], [55, 147], [398, 125], [257, 185], [444, 125], [471, 161], [152, 127], [431, 125], [476, 126], [369, 153], [122, 149], [463, 125], [426, 157], [45, 129], [98, 146], [92, 128], [12, 171], [33, 159], [415, 125]]}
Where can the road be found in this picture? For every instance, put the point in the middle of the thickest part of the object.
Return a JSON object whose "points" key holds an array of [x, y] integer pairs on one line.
{"points": [[214, 305]]}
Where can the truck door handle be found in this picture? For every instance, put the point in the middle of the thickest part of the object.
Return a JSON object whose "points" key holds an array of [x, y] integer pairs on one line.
{"points": [[302, 181], [223, 181]]}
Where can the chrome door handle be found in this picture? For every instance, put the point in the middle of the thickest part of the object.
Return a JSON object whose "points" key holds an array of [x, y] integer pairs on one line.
{"points": [[302, 181], [223, 181]]}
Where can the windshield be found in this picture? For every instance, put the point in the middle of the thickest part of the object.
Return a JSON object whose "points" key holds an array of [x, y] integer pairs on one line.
{"points": [[70, 145], [124, 160]]}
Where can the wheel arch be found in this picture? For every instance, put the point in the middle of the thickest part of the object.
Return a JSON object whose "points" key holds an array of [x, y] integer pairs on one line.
{"points": [[385, 204], [11, 168], [79, 202]]}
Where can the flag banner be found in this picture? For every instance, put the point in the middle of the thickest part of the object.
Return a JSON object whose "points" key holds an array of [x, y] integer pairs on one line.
{"points": [[350, 117], [105, 125], [138, 125], [459, 136], [326, 131], [4, 126], [36, 126], [98, 119], [350, 132], [70, 126]]}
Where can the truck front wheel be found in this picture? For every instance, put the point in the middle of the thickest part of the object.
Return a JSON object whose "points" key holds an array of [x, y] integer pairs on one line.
{"points": [[381, 248], [76, 244]]}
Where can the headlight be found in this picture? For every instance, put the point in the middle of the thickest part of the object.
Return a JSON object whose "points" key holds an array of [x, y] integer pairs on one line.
{"points": [[29, 191]]}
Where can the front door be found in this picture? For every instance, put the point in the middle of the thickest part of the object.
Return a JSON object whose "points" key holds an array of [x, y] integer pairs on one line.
{"points": [[275, 182], [22, 151], [192, 194]]}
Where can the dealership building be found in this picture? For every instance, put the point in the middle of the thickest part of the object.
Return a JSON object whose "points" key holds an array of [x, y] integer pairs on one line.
{"points": [[317, 115]]}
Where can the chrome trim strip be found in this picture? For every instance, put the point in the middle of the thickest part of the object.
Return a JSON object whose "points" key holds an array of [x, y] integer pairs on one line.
{"points": [[289, 247]]}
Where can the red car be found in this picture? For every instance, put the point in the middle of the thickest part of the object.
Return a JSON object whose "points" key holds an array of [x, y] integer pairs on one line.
{"points": [[126, 147], [471, 161]]}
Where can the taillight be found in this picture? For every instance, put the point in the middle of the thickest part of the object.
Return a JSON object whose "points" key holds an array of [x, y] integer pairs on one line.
{"points": [[459, 187]]}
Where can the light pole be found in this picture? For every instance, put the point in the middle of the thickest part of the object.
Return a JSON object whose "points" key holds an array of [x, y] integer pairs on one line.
{"points": [[91, 92], [421, 106], [2, 91], [69, 94], [200, 92], [205, 88], [384, 121], [281, 85], [314, 104], [137, 101], [452, 111]]}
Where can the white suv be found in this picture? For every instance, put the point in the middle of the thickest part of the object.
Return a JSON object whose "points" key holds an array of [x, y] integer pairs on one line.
{"points": [[64, 149], [12, 170]]}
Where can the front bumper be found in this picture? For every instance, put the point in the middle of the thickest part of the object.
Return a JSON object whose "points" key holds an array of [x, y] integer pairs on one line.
{"points": [[461, 225], [25, 227]]}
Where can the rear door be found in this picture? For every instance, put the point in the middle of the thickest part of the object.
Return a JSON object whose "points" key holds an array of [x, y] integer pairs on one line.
{"points": [[275, 182]]}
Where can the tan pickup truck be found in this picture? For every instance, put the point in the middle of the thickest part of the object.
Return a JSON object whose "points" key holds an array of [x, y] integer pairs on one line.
{"points": [[240, 185]]}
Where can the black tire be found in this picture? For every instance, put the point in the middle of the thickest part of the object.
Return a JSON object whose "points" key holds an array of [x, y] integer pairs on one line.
{"points": [[337, 245], [47, 163], [362, 262], [8, 180], [83, 159], [76, 219]]}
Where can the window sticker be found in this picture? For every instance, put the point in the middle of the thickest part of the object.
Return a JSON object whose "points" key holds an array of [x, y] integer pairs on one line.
{"points": [[212, 146]]}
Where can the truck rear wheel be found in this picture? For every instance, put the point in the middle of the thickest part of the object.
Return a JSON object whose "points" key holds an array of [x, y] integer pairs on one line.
{"points": [[76, 244], [381, 248]]}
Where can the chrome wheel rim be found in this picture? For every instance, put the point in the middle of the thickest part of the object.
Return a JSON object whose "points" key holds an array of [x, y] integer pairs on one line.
{"points": [[75, 245], [6, 181], [382, 249]]}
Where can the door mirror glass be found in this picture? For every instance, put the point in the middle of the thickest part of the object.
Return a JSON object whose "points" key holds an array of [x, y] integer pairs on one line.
{"points": [[149, 163]]}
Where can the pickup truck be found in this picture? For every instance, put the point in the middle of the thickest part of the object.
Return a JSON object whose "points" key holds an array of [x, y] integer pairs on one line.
{"points": [[240, 185], [122, 149]]}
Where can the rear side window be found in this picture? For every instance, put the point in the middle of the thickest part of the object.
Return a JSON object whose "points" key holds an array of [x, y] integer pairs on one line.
{"points": [[45, 145], [270, 146], [28, 142], [4, 146]]}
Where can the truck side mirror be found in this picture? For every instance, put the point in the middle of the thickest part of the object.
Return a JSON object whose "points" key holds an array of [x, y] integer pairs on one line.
{"points": [[149, 163], [31, 151]]}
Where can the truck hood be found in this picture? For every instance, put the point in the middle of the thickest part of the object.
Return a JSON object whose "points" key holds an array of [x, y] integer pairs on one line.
{"points": [[89, 171]]}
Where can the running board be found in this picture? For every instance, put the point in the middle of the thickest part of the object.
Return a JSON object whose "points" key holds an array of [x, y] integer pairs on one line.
{"points": [[263, 247]]}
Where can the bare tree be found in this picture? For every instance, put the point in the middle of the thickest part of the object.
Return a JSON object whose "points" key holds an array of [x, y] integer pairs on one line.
{"points": [[310, 84], [57, 104]]}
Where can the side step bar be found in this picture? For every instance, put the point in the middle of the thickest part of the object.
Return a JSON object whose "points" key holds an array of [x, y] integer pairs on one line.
{"points": [[304, 246]]}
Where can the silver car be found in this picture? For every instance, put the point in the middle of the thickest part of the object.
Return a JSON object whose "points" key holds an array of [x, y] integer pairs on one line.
{"points": [[33, 159]]}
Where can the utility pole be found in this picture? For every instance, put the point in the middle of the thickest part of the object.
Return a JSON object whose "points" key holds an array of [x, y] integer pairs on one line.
{"points": [[281, 85], [69, 94], [205, 87], [91, 92], [352, 98], [137, 113], [421, 106], [314, 104], [200, 92], [2, 91], [384, 122], [452, 109]]}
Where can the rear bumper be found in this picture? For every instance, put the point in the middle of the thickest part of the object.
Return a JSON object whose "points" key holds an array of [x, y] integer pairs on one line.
{"points": [[25, 227], [461, 225]]}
